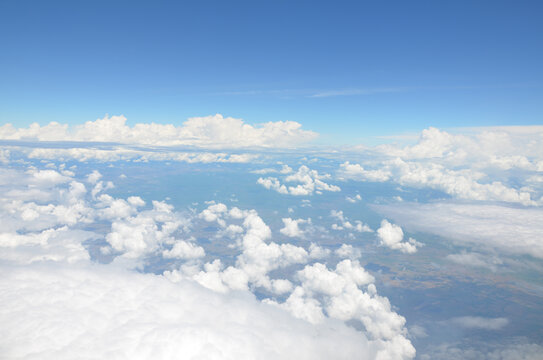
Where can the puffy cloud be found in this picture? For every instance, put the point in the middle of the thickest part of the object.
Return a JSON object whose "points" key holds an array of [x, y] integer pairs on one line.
{"points": [[511, 230], [391, 236], [84, 308], [99, 311], [357, 172], [292, 228], [346, 224], [184, 250], [348, 251], [309, 182], [482, 166], [208, 132]]}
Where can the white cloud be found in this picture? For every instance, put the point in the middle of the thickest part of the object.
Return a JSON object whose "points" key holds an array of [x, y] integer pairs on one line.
{"points": [[353, 199], [357, 172], [512, 230], [490, 165], [358, 226], [391, 236], [120, 153], [208, 132], [97, 311], [348, 251], [184, 250], [478, 322], [87, 309], [292, 228], [309, 182]]}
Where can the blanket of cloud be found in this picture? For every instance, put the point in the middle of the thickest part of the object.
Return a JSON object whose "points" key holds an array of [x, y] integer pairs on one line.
{"points": [[58, 301], [117, 242]]}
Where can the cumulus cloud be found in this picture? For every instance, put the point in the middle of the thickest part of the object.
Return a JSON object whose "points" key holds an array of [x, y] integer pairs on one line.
{"points": [[213, 131], [56, 229], [309, 182], [292, 227], [98, 311], [391, 236], [345, 224], [482, 166]]}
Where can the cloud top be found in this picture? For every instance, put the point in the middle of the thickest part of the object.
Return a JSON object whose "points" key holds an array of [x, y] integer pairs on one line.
{"points": [[212, 132]]}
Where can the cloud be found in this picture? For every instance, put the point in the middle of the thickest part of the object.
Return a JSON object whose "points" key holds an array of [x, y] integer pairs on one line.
{"points": [[207, 132], [353, 92], [503, 350], [354, 199], [391, 236], [292, 228], [478, 322], [309, 182], [490, 165], [345, 224], [475, 260], [512, 230], [98, 311], [4, 156], [120, 153], [127, 277]]}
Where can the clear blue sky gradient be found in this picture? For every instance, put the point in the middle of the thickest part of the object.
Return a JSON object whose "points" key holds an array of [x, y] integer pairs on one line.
{"points": [[348, 70]]}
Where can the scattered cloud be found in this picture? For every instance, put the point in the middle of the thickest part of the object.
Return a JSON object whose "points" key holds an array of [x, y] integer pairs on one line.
{"points": [[391, 236], [309, 182]]}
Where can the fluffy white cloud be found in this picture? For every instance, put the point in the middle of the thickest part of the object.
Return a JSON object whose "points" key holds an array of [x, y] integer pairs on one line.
{"points": [[309, 182], [87, 309], [209, 132], [391, 236], [96, 311], [292, 227], [358, 226], [512, 230], [490, 165]]}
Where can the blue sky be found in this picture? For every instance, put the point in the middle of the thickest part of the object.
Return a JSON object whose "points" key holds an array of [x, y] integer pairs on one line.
{"points": [[348, 70]]}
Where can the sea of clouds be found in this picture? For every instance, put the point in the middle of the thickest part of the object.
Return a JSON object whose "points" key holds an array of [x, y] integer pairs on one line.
{"points": [[75, 259]]}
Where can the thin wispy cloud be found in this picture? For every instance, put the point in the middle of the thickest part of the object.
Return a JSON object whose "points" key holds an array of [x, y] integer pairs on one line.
{"points": [[354, 92]]}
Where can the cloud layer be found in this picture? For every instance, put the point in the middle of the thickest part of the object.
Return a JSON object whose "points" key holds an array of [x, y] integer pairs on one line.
{"points": [[59, 302], [207, 132]]}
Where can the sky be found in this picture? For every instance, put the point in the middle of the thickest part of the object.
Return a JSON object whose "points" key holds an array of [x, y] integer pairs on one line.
{"points": [[271, 180], [351, 71]]}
